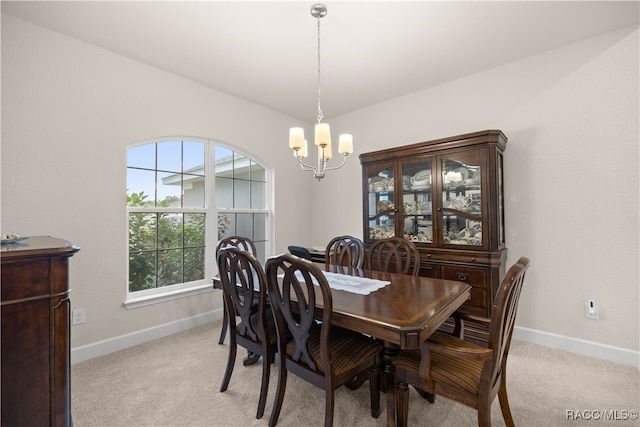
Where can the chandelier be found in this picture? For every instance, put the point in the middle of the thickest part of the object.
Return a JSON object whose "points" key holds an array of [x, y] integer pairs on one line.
{"points": [[322, 131]]}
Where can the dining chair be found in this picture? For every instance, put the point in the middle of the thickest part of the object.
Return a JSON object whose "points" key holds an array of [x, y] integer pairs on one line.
{"points": [[344, 254], [326, 356], [460, 370], [243, 280], [242, 243], [300, 251], [394, 255]]}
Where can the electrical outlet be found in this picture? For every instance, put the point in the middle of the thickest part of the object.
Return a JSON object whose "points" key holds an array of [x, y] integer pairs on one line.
{"points": [[591, 310], [77, 316]]}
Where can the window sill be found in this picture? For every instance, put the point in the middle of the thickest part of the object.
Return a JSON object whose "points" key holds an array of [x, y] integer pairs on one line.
{"points": [[141, 301]]}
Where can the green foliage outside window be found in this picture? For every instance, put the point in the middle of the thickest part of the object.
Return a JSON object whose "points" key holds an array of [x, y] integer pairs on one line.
{"points": [[165, 248]]}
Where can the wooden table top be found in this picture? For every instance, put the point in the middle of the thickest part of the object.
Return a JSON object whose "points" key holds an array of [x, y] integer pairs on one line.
{"points": [[403, 313]]}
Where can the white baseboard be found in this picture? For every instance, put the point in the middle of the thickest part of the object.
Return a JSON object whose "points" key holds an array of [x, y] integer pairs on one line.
{"points": [[101, 348], [579, 346], [561, 342]]}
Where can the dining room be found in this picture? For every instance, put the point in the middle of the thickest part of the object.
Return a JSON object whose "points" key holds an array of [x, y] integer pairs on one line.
{"points": [[87, 84]]}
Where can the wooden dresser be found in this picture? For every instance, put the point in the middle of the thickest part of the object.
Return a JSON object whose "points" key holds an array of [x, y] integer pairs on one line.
{"points": [[35, 310]]}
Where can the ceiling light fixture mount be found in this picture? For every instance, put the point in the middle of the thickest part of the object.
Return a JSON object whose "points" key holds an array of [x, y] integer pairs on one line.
{"points": [[322, 130]]}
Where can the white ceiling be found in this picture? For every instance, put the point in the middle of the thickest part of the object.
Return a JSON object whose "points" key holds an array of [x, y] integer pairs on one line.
{"points": [[265, 51]]}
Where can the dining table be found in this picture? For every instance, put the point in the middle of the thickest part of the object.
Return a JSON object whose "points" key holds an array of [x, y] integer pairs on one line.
{"points": [[400, 310]]}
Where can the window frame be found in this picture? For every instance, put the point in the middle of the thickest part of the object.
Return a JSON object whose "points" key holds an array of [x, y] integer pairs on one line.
{"points": [[181, 290]]}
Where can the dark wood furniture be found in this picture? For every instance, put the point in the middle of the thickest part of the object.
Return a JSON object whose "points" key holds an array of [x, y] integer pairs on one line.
{"points": [[36, 332], [402, 315], [394, 254], [460, 370], [344, 254], [242, 243], [325, 355], [243, 281], [447, 196]]}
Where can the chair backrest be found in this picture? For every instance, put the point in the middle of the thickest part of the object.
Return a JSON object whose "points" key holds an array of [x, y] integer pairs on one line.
{"points": [[300, 251], [344, 251], [504, 312], [242, 243], [292, 290], [243, 279], [394, 255]]}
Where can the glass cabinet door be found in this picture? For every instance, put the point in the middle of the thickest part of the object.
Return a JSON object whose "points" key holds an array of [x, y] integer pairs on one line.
{"points": [[461, 202], [381, 211], [417, 201]]}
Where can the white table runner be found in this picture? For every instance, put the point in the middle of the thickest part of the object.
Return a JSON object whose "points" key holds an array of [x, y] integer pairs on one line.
{"points": [[354, 284]]}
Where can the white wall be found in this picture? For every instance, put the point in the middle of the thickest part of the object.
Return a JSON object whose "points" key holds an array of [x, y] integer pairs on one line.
{"points": [[571, 116], [571, 175], [68, 111]]}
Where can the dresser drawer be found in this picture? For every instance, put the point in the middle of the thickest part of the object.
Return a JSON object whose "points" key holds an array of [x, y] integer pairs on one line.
{"points": [[25, 279]]}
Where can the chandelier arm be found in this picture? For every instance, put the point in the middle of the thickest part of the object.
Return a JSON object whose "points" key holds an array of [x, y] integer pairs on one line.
{"points": [[307, 167], [344, 160]]}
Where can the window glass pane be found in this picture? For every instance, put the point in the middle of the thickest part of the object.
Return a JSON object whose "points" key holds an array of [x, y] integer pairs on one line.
{"points": [[142, 270], [224, 162], [142, 231], [259, 226], [258, 195], [261, 249], [257, 172], [170, 156], [244, 225], [224, 192], [193, 157], [193, 191], [226, 225], [141, 181], [241, 194], [142, 156], [241, 167], [193, 264], [169, 189], [169, 267], [170, 230], [194, 230]]}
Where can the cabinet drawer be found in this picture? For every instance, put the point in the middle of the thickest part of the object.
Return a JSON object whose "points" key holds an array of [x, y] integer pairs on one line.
{"points": [[473, 276], [476, 277], [25, 279], [428, 269]]}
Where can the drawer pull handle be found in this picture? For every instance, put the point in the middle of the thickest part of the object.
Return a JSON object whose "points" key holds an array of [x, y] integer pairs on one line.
{"points": [[462, 276]]}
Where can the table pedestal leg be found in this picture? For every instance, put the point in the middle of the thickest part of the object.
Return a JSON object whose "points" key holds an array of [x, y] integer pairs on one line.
{"points": [[388, 382]]}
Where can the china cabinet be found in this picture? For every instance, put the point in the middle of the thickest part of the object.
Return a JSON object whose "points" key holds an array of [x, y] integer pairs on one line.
{"points": [[447, 196], [35, 332]]}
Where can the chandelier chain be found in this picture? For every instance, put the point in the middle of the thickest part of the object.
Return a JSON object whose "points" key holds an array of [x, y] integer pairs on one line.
{"points": [[320, 115]]}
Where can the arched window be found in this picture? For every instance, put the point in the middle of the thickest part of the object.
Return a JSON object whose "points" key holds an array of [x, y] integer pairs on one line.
{"points": [[183, 195]]}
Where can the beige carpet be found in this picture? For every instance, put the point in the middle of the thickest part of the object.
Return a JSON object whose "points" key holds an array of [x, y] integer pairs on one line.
{"points": [[175, 381]]}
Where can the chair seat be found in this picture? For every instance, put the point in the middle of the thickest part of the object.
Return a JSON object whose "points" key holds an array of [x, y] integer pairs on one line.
{"points": [[464, 374], [348, 349]]}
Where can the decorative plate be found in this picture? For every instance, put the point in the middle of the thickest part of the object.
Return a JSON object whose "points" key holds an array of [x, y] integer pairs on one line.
{"points": [[16, 240]]}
